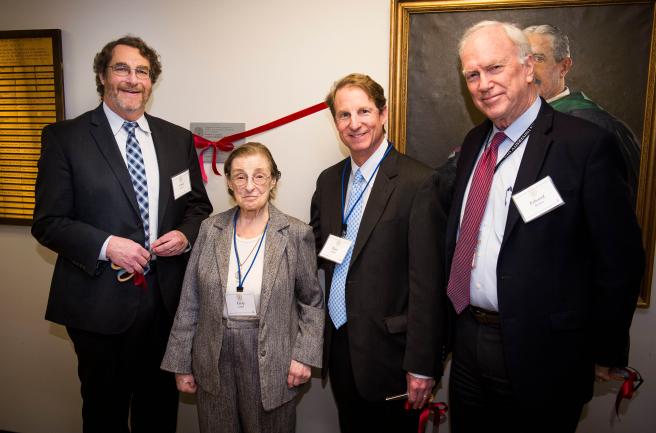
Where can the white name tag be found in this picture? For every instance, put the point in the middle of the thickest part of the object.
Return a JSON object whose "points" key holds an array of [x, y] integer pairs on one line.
{"points": [[335, 249], [240, 304], [181, 184], [538, 199]]}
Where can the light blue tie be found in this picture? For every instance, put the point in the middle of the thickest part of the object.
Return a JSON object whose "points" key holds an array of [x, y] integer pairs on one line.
{"points": [[337, 298], [137, 171]]}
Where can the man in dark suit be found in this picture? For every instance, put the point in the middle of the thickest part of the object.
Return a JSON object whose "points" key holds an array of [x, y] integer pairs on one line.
{"points": [[119, 193], [543, 248], [385, 322]]}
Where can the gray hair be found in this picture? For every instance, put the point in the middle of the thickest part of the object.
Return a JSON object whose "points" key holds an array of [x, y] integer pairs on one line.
{"points": [[513, 32], [559, 40]]}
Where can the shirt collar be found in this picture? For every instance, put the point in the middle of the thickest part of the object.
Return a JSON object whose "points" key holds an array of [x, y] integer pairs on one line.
{"points": [[517, 128], [562, 94], [367, 169], [116, 121]]}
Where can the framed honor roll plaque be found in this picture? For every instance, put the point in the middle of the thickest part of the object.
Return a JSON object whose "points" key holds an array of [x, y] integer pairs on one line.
{"points": [[613, 49], [31, 96]]}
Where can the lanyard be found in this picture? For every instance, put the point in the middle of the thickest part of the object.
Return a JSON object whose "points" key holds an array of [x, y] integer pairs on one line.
{"points": [[240, 280], [345, 218], [515, 145]]}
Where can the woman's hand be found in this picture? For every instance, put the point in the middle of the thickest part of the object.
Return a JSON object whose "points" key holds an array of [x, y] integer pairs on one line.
{"points": [[186, 383], [299, 373]]}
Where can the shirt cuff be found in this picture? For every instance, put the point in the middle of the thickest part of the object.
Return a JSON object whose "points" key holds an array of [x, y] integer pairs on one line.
{"points": [[419, 376], [103, 250]]}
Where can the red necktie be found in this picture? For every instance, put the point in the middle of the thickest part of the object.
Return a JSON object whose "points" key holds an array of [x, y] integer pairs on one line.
{"points": [[463, 258]]}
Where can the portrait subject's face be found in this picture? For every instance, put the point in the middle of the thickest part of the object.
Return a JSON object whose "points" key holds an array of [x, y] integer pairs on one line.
{"points": [[500, 86], [126, 96], [549, 74], [359, 123]]}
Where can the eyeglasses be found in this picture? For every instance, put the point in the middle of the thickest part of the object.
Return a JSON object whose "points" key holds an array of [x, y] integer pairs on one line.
{"points": [[123, 70], [241, 179]]}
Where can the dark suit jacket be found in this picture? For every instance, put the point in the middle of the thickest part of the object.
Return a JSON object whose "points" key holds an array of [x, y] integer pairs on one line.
{"points": [[84, 194], [568, 281], [394, 289]]}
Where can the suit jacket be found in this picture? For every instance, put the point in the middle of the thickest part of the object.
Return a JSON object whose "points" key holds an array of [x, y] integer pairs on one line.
{"points": [[291, 306], [568, 281], [394, 290], [84, 194]]}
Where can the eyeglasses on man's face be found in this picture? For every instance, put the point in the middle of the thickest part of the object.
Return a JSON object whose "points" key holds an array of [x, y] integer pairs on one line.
{"points": [[241, 179], [123, 70]]}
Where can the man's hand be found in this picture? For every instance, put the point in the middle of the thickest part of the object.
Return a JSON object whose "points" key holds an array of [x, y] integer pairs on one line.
{"points": [[604, 374], [186, 383], [299, 373], [419, 390], [127, 254], [170, 244]]}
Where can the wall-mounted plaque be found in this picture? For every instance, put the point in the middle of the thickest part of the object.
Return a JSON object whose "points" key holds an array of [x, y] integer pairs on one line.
{"points": [[31, 96]]}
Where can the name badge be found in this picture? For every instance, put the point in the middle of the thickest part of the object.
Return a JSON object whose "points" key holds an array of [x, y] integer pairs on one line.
{"points": [[335, 249], [181, 184], [538, 199], [240, 304]]}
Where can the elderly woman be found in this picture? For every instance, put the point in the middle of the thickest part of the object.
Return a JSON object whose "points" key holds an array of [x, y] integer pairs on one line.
{"points": [[250, 320]]}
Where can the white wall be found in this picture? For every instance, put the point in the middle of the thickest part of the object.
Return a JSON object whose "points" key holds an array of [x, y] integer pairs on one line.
{"points": [[224, 61]]}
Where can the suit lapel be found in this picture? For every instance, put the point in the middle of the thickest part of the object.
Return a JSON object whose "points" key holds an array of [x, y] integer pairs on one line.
{"points": [[104, 138], [276, 243], [222, 246], [466, 162], [336, 212], [380, 193], [163, 164], [537, 147]]}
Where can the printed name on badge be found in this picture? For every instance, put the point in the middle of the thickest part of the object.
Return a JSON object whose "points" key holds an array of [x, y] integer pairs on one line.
{"points": [[538, 199], [240, 304], [181, 184], [335, 249]]}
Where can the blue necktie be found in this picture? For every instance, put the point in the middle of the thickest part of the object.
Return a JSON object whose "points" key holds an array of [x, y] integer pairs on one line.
{"points": [[337, 298], [137, 171]]}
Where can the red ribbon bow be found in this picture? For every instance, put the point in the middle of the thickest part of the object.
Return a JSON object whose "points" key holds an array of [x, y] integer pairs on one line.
{"points": [[437, 408], [225, 144]]}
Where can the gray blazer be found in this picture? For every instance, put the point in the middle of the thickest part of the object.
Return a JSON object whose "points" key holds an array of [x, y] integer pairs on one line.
{"points": [[291, 306]]}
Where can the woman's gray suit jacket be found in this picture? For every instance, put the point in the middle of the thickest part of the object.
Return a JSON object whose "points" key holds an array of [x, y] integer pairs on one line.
{"points": [[291, 306]]}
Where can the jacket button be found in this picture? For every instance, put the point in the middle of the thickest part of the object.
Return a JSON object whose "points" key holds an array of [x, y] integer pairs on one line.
{"points": [[263, 353]]}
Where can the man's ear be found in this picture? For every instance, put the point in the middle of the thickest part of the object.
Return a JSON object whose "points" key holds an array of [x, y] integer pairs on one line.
{"points": [[564, 66]]}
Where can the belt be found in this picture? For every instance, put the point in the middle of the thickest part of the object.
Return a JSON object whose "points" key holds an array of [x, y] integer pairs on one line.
{"points": [[485, 317]]}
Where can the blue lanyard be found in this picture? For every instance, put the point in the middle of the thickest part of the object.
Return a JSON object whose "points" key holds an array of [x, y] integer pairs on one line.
{"points": [[240, 280], [345, 218]]}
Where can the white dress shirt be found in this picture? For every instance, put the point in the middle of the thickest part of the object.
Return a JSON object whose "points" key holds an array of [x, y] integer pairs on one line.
{"points": [[367, 171], [145, 139], [483, 285]]}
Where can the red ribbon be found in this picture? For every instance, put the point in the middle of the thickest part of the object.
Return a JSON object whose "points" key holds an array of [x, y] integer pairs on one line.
{"points": [[632, 381], [437, 408], [225, 144], [140, 280]]}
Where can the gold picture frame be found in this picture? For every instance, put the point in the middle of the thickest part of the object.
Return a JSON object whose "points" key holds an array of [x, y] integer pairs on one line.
{"points": [[613, 41]]}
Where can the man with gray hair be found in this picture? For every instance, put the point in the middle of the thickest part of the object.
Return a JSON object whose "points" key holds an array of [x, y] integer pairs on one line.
{"points": [[550, 47], [543, 248]]}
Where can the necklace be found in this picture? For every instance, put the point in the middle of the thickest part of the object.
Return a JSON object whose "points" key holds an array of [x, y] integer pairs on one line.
{"points": [[241, 264]]}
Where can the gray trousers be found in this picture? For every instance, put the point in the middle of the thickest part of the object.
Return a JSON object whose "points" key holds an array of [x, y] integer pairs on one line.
{"points": [[238, 407]]}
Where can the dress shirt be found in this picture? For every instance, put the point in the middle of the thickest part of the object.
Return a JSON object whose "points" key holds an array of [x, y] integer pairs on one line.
{"points": [[562, 94], [145, 139], [367, 171], [483, 285]]}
